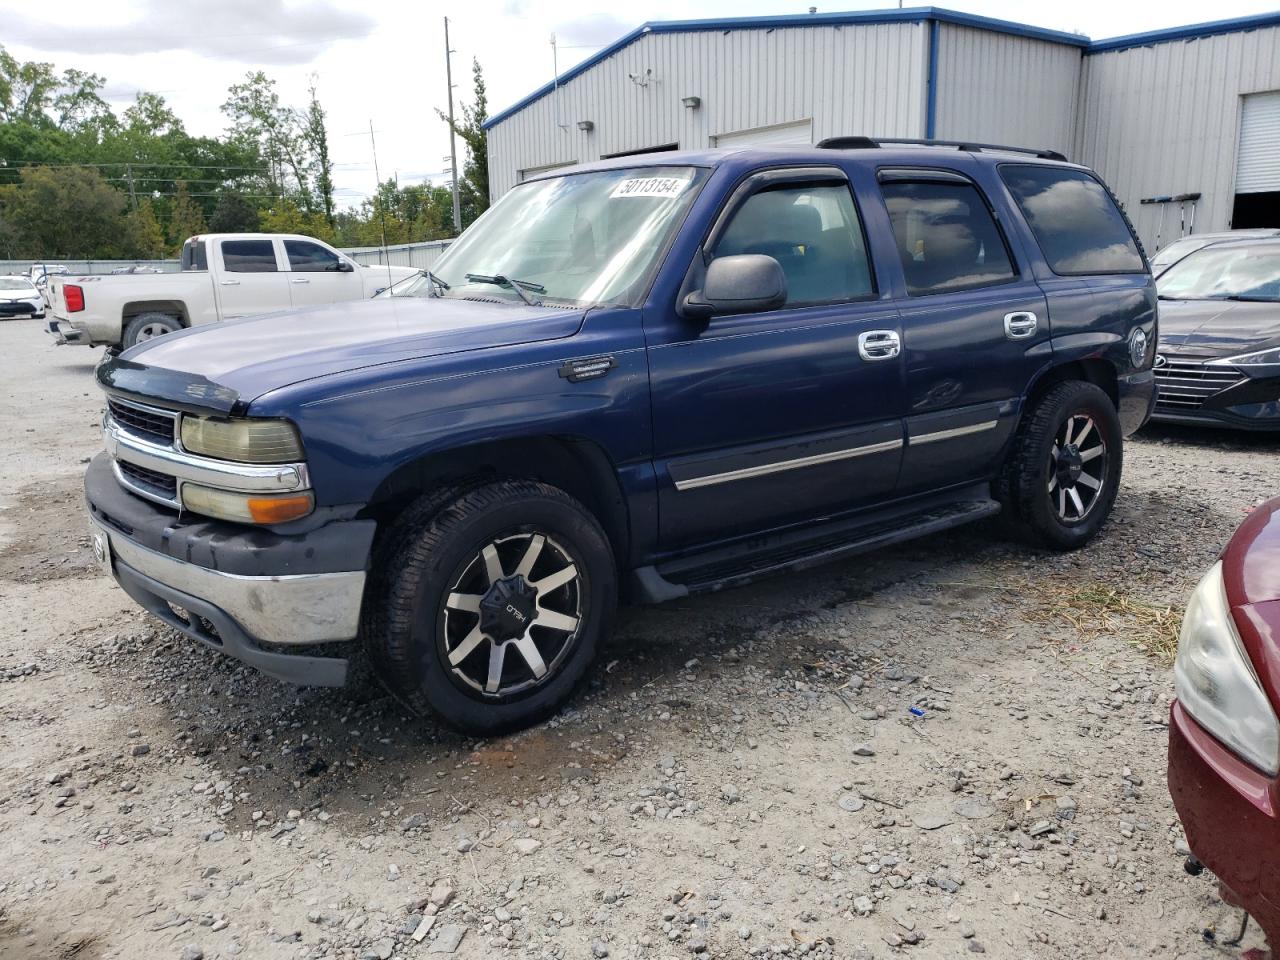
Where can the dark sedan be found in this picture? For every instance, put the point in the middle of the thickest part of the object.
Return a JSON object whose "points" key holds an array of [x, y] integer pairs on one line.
{"points": [[1218, 358]]}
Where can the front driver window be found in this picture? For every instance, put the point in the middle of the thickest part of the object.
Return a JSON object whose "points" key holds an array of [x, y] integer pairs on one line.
{"points": [[813, 231]]}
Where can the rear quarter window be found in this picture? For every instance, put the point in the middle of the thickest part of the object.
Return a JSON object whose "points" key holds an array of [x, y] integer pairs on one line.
{"points": [[1077, 224]]}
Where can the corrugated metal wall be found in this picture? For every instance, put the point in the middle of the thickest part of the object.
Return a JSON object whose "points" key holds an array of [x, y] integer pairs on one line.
{"points": [[1164, 120], [1000, 88], [853, 79]]}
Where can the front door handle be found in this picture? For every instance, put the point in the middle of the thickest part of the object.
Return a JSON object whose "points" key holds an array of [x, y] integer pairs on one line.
{"points": [[301, 280], [230, 283], [879, 345], [1020, 325]]}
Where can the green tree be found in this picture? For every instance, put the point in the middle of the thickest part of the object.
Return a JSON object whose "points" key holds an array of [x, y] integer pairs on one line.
{"points": [[317, 140], [233, 213], [143, 237], [186, 219], [258, 118], [284, 216], [473, 189], [65, 212]]}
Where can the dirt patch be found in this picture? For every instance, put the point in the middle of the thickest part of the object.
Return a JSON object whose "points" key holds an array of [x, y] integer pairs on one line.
{"points": [[45, 532]]}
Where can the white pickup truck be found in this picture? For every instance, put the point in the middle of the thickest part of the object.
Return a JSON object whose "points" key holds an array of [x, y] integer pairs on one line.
{"points": [[223, 276]]}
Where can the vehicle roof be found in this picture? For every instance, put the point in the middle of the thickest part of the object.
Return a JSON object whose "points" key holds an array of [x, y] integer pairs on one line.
{"points": [[889, 154], [1271, 242], [1245, 233]]}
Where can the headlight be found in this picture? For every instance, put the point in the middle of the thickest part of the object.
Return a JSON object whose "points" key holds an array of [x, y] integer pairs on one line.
{"points": [[246, 507], [1263, 358], [244, 441], [1216, 683]]}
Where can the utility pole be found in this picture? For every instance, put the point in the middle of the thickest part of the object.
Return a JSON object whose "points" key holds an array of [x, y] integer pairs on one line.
{"points": [[128, 173], [453, 145]]}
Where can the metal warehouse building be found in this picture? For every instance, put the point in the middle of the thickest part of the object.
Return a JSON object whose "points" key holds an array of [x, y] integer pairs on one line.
{"points": [[1162, 116]]}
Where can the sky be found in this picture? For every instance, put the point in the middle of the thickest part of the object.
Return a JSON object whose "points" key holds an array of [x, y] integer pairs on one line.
{"points": [[383, 62]]}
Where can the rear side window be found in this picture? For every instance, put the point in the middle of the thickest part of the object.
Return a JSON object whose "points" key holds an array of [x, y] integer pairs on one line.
{"points": [[307, 257], [946, 237], [1077, 224], [193, 256], [249, 256], [813, 231]]}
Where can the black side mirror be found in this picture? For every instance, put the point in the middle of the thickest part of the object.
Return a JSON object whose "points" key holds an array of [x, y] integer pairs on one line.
{"points": [[745, 283], [344, 266]]}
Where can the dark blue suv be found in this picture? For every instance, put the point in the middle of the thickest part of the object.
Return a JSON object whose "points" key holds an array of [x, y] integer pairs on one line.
{"points": [[650, 378]]}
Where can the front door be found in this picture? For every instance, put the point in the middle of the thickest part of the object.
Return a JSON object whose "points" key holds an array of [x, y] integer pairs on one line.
{"points": [[974, 323], [251, 281], [766, 419], [318, 275]]}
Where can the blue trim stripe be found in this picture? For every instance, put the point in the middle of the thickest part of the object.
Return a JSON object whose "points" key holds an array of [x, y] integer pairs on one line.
{"points": [[931, 104], [1191, 32], [934, 15]]}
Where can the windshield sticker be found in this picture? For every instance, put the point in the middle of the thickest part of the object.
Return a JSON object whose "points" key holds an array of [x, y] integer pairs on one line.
{"points": [[649, 187]]}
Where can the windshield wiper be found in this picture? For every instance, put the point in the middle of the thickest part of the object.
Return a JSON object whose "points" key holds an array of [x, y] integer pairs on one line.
{"points": [[1243, 299], [519, 286], [440, 284]]}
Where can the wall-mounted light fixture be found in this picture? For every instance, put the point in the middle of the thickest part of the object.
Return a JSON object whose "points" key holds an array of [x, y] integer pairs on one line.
{"points": [[692, 103], [586, 126]]}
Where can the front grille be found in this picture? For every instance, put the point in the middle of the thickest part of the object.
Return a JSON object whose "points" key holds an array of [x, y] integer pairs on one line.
{"points": [[158, 484], [144, 423], [15, 308], [1183, 385]]}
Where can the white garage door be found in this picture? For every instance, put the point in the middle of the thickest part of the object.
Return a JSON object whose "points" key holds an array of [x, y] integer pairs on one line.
{"points": [[1258, 169], [783, 133]]}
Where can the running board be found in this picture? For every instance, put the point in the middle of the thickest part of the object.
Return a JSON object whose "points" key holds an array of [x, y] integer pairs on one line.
{"points": [[723, 569]]}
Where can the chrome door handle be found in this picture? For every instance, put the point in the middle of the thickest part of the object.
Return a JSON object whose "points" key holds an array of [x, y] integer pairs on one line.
{"points": [[879, 345], [1020, 325], [230, 283], [301, 280]]}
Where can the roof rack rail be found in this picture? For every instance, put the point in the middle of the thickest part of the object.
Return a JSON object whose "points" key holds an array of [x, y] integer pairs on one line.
{"points": [[868, 143]]}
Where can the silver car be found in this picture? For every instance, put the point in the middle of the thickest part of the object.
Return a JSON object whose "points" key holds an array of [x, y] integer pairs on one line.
{"points": [[1182, 248]]}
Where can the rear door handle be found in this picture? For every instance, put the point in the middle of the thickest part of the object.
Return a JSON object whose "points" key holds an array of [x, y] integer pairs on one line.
{"points": [[301, 280], [230, 283], [1020, 325], [879, 345]]}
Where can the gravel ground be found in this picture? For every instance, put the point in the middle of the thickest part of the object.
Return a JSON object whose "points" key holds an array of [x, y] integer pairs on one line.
{"points": [[956, 746]]}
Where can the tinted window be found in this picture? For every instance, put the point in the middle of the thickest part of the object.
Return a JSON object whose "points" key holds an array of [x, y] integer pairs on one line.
{"points": [[1075, 220], [946, 237], [813, 232], [310, 257], [193, 256], [249, 256]]}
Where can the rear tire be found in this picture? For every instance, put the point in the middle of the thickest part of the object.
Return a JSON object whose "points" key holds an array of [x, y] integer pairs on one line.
{"points": [[148, 325], [488, 609], [1063, 472]]}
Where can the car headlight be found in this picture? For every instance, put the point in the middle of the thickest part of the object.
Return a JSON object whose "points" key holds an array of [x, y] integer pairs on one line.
{"points": [[1263, 358], [1216, 682], [243, 441], [246, 507]]}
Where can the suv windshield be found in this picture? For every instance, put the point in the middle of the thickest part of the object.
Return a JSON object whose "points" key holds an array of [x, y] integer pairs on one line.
{"points": [[1225, 273], [575, 239]]}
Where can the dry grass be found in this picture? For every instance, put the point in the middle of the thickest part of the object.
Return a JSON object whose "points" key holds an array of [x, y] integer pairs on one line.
{"points": [[1096, 609]]}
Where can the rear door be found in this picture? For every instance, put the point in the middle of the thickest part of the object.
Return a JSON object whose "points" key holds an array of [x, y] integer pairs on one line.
{"points": [[251, 280], [765, 419], [974, 325], [318, 275]]}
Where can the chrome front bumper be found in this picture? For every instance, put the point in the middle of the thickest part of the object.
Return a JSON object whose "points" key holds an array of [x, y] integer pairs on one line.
{"points": [[293, 609]]}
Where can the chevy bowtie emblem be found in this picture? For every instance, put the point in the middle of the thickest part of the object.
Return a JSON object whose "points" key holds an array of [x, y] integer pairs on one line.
{"points": [[1161, 360]]}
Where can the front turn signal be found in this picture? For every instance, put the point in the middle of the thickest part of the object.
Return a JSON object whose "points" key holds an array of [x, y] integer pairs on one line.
{"points": [[246, 507]]}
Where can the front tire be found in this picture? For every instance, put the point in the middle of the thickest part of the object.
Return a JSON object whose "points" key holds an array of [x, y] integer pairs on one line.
{"points": [[1063, 472], [489, 609]]}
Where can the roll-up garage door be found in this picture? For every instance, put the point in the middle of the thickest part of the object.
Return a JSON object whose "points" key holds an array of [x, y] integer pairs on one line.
{"points": [[782, 133], [1258, 167]]}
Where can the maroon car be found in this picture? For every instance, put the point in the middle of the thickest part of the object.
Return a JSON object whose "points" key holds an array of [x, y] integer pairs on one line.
{"points": [[1224, 736]]}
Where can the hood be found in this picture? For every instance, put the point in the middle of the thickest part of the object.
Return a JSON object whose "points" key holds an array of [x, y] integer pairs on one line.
{"points": [[1217, 328], [247, 358], [1251, 561]]}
